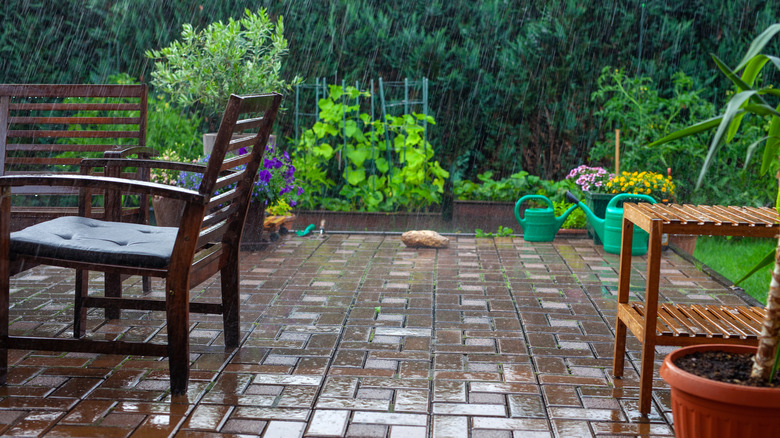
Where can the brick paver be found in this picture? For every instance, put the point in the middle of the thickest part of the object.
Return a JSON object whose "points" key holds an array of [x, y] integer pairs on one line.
{"points": [[356, 335]]}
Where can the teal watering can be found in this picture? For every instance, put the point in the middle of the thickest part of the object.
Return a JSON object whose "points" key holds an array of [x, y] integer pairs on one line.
{"points": [[540, 224], [610, 229]]}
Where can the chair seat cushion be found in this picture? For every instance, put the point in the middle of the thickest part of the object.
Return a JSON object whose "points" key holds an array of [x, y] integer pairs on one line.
{"points": [[92, 241]]}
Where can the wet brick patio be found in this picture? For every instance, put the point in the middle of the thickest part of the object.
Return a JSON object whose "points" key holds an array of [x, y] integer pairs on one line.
{"points": [[356, 335]]}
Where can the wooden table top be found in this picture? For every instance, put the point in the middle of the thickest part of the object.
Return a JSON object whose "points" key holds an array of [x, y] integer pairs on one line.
{"points": [[705, 219]]}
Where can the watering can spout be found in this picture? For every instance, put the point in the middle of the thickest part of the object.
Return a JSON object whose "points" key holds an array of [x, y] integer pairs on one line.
{"points": [[595, 221], [562, 218]]}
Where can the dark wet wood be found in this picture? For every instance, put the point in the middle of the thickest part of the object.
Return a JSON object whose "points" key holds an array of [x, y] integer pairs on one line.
{"points": [[203, 247], [42, 131]]}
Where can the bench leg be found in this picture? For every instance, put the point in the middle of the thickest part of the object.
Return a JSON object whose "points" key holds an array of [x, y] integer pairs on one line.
{"points": [[113, 290], [231, 302], [79, 311]]}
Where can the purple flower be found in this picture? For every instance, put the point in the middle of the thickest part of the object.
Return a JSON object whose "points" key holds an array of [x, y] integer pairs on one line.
{"points": [[265, 176], [242, 151], [272, 163], [289, 174]]}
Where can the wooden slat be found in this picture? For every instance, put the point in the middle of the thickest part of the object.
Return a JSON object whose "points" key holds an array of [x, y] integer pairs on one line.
{"points": [[252, 123], [711, 330], [748, 215], [144, 304], [666, 216], [87, 346], [71, 90], [683, 319], [723, 219], [743, 318], [633, 318], [767, 214], [704, 217], [72, 134], [57, 147], [42, 161], [736, 217], [669, 320], [75, 120], [57, 106], [726, 318]]}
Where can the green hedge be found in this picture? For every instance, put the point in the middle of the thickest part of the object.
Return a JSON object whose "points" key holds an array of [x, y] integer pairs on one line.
{"points": [[511, 82]]}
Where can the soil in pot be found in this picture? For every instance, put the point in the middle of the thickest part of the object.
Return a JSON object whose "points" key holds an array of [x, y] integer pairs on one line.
{"points": [[709, 408], [723, 366]]}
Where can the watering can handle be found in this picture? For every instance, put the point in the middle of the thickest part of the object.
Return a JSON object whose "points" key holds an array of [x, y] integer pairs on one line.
{"points": [[614, 201], [526, 198], [539, 197], [572, 197]]}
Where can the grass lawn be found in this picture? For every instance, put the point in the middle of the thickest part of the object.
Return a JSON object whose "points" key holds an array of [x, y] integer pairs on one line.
{"points": [[735, 257]]}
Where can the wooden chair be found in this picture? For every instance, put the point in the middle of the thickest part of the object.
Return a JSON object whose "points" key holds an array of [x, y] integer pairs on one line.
{"points": [[206, 242]]}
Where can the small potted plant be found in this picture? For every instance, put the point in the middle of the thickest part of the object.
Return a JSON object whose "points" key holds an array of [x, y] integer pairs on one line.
{"points": [[204, 67], [701, 406], [274, 189], [592, 181]]}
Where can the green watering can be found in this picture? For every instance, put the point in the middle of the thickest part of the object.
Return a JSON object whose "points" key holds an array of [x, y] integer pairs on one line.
{"points": [[610, 229], [540, 224]]}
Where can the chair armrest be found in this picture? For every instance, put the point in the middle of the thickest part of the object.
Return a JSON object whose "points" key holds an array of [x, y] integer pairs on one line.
{"points": [[103, 183], [139, 162], [141, 151]]}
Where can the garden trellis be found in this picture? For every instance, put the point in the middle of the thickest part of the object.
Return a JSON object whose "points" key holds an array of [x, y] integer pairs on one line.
{"points": [[414, 99]]}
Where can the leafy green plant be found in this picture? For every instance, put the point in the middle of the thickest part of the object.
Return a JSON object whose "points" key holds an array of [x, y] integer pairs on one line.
{"points": [[643, 113], [502, 232], [751, 98], [206, 66], [168, 127], [347, 151], [510, 189]]}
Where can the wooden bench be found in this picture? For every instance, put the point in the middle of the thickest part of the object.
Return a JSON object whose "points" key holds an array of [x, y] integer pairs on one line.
{"points": [[655, 323], [50, 128]]}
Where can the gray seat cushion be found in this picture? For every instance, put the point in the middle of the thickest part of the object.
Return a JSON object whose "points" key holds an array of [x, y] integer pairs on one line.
{"points": [[93, 241]]}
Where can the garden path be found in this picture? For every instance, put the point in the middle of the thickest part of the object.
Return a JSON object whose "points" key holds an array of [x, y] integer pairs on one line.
{"points": [[356, 335]]}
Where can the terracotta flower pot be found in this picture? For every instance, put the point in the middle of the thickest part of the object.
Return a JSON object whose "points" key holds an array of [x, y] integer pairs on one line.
{"points": [[706, 408], [167, 212]]}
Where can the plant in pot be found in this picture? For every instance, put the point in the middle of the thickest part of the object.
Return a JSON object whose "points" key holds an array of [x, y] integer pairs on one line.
{"points": [[703, 407], [592, 182], [204, 67], [275, 190]]}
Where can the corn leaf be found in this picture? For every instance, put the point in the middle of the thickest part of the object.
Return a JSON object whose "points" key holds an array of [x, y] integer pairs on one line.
{"points": [[751, 149], [758, 44], [733, 108], [766, 261], [693, 129], [772, 145]]}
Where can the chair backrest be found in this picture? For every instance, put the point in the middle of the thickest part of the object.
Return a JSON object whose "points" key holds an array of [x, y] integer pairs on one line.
{"points": [[50, 128], [233, 166]]}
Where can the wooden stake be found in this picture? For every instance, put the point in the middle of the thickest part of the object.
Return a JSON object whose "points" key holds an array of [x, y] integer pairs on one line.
{"points": [[617, 152]]}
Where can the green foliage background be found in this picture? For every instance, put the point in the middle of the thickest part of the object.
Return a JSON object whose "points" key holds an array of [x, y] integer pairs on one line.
{"points": [[511, 81]]}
